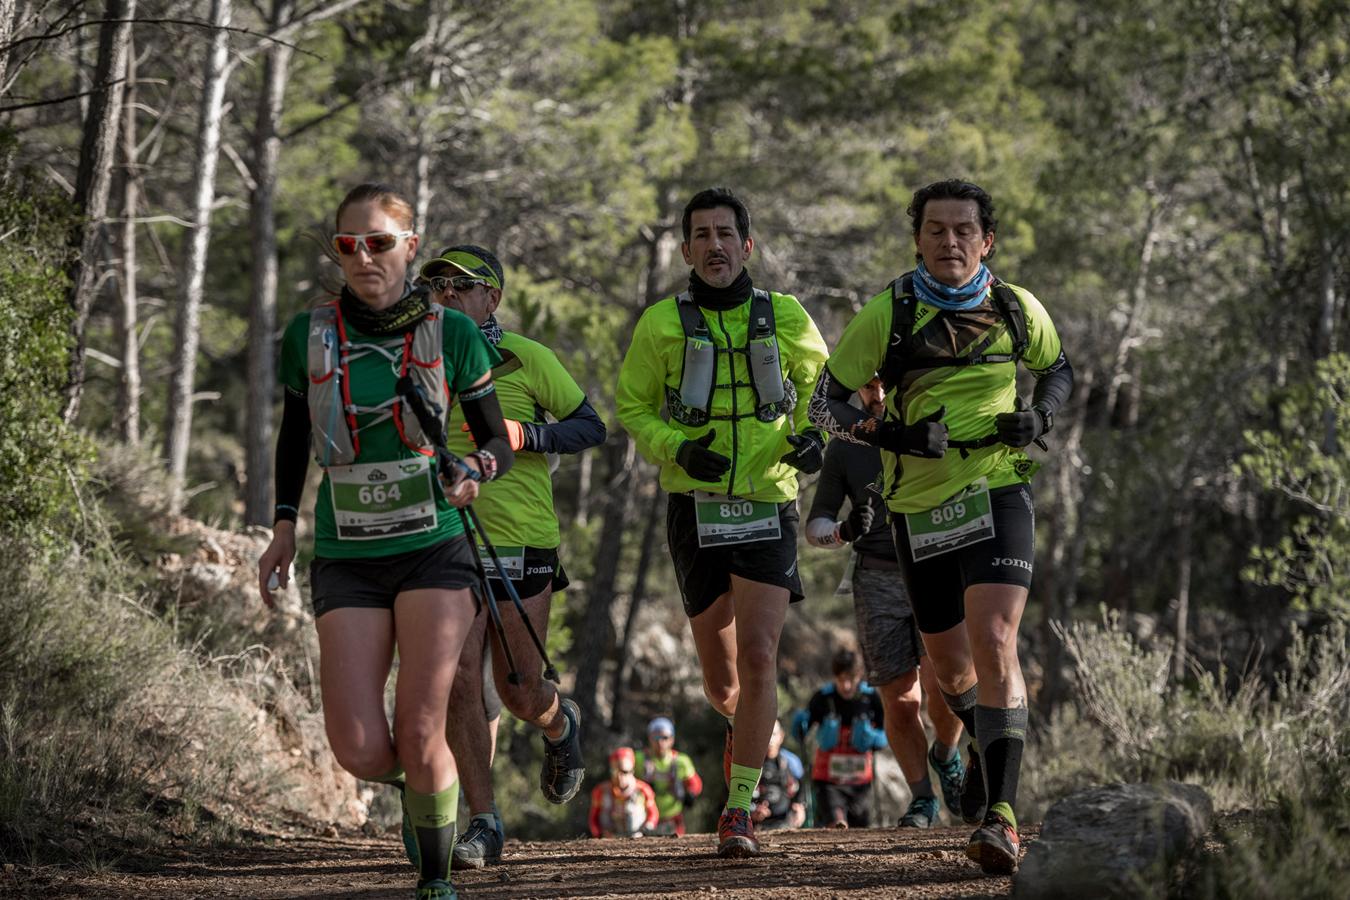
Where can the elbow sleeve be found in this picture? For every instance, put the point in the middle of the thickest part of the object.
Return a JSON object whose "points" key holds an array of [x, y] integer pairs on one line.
{"points": [[292, 457], [1053, 385], [483, 413], [580, 430]]}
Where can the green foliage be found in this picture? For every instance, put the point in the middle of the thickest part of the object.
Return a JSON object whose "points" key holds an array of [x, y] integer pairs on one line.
{"points": [[1281, 749], [107, 727], [1305, 461], [39, 458]]}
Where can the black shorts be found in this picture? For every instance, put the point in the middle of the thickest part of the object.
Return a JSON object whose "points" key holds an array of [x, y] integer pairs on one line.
{"points": [[854, 799], [704, 573], [542, 569], [374, 582], [937, 586]]}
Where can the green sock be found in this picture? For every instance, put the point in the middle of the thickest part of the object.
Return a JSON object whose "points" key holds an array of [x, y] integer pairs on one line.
{"points": [[393, 776], [1005, 810], [744, 780], [433, 821]]}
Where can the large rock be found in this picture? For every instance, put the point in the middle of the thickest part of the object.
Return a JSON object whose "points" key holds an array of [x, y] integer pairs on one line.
{"points": [[1122, 840]]}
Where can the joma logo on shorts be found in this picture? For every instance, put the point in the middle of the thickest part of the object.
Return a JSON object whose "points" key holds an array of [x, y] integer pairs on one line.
{"points": [[1009, 561], [539, 570]]}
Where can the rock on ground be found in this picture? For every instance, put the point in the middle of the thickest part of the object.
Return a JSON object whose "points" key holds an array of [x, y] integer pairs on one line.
{"points": [[1122, 840]]}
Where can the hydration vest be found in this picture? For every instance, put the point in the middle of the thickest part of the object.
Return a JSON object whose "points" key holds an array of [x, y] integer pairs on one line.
{"points": [[774, 395], [335, 435], [900, 353], [670, 775]]}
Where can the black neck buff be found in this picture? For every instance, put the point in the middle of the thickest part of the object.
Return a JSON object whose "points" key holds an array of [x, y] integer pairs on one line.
{"points": [[729, 297], [400, 318]]}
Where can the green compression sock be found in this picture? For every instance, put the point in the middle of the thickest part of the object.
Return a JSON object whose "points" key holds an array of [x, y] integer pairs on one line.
{"points": [[744, 780], [433, 821], [394, 776], [1006, 811]]}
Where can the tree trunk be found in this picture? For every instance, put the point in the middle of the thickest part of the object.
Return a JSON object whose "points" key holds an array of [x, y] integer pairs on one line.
{"points": [[129, 387], [1183, 588], [597, 626], [583, 508], [93, 184], [178, 425], [9, 9], [650, 539], [262, 315]]}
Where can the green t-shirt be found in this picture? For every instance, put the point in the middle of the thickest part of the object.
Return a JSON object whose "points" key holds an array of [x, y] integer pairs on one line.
{"points": [[972, 395], [517, 511], [667, 778], [468, 357]]}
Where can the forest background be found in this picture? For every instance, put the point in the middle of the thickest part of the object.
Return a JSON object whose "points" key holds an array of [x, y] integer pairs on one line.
{"points": [[1172, 180]]}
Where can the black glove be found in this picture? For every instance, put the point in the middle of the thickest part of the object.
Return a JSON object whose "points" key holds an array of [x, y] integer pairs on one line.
{"points": [[859, 521], [926, 437], [700, 462], [808, 452], [1017, 429]]}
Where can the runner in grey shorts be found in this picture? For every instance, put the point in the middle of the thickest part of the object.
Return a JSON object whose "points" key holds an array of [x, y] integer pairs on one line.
{"points": [[887, 632]]}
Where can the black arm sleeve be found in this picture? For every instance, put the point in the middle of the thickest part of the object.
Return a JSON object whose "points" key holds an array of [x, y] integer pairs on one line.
{"points": [[483, 412], [292, 459], [582, 429], [830, 410], [1053, 385], [830, 488]]}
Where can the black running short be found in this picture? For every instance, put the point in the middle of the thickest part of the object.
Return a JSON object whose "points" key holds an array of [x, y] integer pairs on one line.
{"points": [[542, 569], [704, 573], [854, 799], [374, 582], [937, 585]]}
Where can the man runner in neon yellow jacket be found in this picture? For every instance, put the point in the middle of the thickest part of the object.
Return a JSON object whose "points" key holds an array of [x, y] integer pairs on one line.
{"points": [[734, 367]]}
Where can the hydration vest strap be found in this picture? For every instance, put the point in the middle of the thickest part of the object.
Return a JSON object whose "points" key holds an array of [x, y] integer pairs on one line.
{"points": [[904, 316], [330, 397], [698, 378]]}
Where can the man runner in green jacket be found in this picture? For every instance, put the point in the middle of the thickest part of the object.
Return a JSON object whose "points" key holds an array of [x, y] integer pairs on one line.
{"points": [[517, 513], [733, 366]]}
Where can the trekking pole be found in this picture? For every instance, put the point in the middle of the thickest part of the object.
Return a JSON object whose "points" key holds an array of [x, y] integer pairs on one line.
{"points": [[417, 402], [411, 393]]}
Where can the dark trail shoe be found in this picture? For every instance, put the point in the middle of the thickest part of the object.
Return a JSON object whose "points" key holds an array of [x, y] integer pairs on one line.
{"points": [[922, 813], [564, 769], [994, 845], [478, 846], [951, 778], [973, 797], [736, 835], [436, 889]]}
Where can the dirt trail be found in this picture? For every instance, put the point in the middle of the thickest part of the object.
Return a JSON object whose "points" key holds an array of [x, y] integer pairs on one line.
{"points": [[865, 863]]}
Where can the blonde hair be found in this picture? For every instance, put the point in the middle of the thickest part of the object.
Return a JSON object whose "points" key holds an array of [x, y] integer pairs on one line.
{"points": [[390, 200]]}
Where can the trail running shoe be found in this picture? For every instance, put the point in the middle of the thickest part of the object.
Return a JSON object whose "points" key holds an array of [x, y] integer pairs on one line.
{"points": [[564, 769], [951, 778], [479, 846], [994, 846], [922, 813], [736, 835], [409, 838], [436, 889], [726, 756], [972, 792]]}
